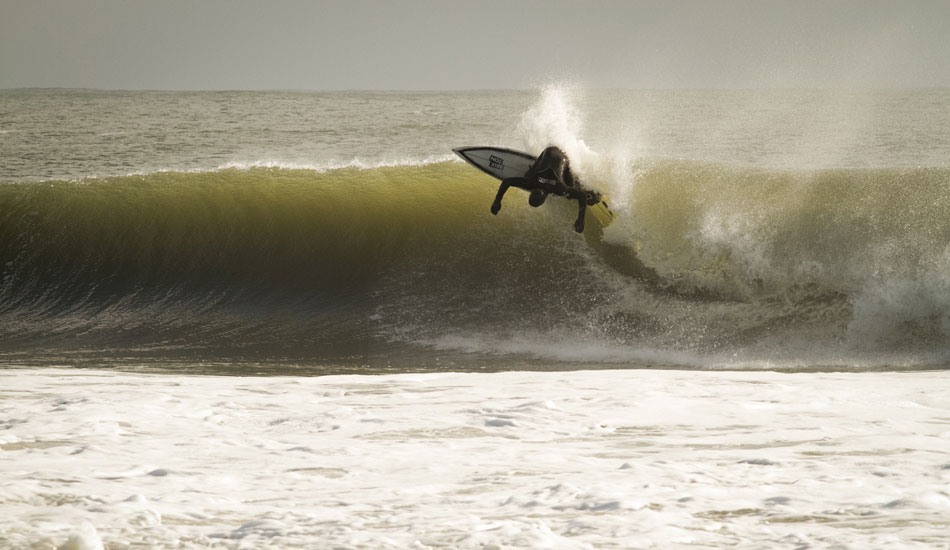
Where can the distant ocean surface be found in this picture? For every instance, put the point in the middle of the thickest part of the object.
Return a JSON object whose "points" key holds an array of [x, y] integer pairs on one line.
{"points": [[328, 233]]}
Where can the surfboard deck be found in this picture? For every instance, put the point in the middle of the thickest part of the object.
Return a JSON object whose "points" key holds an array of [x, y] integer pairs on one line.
{"points": [[501, 163]]}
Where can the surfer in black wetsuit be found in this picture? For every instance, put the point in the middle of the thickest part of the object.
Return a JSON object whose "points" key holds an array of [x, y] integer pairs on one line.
{"points": [[550, 173]]}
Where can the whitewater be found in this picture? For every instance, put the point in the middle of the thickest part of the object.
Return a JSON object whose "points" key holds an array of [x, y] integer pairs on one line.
{"points": [[588, 459], [288, 320]]}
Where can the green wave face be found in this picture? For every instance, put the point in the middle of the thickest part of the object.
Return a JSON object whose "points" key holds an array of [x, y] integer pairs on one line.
{"points": [[705, 263]]}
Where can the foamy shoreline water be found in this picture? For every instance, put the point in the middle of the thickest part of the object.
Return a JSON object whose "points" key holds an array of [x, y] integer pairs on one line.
{"points": [[589, 459]]}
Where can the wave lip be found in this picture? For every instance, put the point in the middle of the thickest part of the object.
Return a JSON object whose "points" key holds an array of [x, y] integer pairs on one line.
{"points": [[329, 166]]}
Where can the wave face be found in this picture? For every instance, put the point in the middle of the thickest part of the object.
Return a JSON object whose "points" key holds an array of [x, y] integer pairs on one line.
{"points": [[707, 266]]}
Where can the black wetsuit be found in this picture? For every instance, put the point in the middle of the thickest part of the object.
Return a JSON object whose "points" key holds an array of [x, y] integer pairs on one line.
{"points": [[550, 173]]}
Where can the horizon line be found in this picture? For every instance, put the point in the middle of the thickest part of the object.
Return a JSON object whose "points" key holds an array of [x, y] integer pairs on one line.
{"points": [[474, 90]]}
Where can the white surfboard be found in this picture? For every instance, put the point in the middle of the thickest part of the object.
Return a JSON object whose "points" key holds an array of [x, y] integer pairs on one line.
{"points": [[501, 163], [497, 162]]}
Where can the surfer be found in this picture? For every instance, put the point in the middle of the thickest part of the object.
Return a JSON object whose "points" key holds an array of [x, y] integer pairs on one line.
{"points": [[550, 173]]}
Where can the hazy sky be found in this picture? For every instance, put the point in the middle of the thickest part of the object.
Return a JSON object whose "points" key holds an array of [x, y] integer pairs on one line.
{"points": [[434, 45]]}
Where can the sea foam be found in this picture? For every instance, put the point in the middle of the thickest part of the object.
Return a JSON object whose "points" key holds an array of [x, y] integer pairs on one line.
{"points": [[602, 459]]}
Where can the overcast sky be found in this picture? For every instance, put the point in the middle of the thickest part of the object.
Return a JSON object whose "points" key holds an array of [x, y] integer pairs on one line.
{"points": [[451, 45]]}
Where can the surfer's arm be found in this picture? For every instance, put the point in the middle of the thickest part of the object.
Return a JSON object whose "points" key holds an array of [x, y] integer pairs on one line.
{"points": [[502, 189], [496, 206], [581, 198], [581, 210]]}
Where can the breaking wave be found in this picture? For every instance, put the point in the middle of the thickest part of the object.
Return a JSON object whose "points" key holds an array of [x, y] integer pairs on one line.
{"points": [[708, 265]]}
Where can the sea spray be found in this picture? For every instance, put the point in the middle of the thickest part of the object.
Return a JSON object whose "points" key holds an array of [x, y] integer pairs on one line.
{"points": [[557, 118]]}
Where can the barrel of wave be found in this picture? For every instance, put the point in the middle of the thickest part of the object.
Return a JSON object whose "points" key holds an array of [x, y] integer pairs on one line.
{"points": [[260, 225]]}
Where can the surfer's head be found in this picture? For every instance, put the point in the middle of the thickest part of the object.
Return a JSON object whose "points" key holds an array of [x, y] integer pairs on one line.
{"points": [[537, 197]]}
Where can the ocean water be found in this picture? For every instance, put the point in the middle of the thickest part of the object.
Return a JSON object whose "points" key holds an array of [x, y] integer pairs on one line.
{"points": [[753, 355], [336, 232], [582, 460]]}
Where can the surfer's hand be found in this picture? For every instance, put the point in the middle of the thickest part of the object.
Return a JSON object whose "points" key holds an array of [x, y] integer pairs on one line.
{"points": [[495, 207], [579, 225]]}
